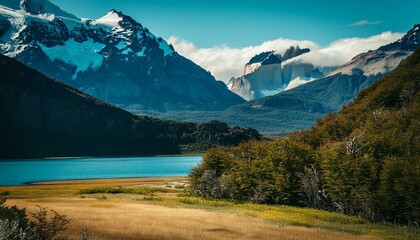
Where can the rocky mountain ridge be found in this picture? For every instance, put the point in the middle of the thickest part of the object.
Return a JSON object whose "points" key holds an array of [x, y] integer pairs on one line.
{"points": [[113, 58], [300, 107], [269, 73]]}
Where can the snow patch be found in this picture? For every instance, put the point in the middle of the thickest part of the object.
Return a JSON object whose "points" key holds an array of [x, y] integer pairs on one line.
{"points": [[250, 68], [141, 53], [82, 55], [10, 12], [298, 81], [373, 63], [46, 16], [121, 45], [111, 19], [127, 51], [165, 47]]}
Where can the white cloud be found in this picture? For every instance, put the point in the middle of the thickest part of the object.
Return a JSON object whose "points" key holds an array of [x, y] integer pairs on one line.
{"points": [[363, 22], [225, 62], [343, 50]]}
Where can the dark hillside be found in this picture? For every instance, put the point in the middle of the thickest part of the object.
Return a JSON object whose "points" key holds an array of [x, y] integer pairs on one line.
{"points": [[41, 117]]}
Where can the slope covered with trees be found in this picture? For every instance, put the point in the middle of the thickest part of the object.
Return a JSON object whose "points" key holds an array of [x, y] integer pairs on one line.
{"points": [[365, 160], [41, 117]]}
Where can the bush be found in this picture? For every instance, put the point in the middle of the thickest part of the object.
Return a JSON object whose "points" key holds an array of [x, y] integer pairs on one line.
{"points": [[15, 224]]}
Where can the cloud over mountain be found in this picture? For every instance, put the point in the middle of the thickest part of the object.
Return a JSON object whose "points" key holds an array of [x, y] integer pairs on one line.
{"points": [[225, 62]]}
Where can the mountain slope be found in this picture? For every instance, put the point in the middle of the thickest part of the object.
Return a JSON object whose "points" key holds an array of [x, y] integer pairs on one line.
{"points": [[300, 107], [363, 161], [308, 102], [269, 73], [330, 93], [41, 117], [370, 151], [113, 58]]}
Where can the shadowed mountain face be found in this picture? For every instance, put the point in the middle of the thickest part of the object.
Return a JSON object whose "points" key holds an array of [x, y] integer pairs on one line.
{"points": [[113, 58], [41, 117]]}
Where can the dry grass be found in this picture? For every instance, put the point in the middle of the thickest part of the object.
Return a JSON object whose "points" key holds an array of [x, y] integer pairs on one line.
{"points": [[156, 208], [119, 220]]}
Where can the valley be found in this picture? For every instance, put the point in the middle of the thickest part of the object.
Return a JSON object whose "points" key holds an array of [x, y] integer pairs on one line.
{"points": [[251, 120]]}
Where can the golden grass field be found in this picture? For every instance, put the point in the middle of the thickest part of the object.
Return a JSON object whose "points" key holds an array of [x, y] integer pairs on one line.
{"points": [[159, 208]]}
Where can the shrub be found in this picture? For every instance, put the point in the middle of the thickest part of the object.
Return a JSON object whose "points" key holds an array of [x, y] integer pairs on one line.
{"points": [[15, 224]]}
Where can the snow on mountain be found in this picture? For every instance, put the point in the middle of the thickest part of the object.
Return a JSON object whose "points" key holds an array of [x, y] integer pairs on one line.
{"points": [[372, 63], [37, 7], [113, 58], [269, 73], [250, 68], [111, 19], [384, 59], [83, 55], [296, 82]]}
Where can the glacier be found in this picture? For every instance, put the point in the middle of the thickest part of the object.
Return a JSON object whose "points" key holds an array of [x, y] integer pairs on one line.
{"points": [[81, 55]]}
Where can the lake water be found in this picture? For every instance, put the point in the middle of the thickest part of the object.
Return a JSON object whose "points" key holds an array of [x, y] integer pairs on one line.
{"points": [[20, 172]]}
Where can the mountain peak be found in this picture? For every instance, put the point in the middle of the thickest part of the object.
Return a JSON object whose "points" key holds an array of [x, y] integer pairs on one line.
{"points": [[116, 19], [409, 42], [113, 58], [44, 7], [294, 52], [111, 19]]}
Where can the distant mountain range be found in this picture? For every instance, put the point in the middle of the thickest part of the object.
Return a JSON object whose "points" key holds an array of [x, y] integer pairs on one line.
{"points": [[300, 107], [113, 58], [269, 73], [332, 92], [117, 60], [41, 117]]}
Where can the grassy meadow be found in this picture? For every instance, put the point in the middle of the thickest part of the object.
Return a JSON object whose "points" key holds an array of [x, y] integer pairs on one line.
{"points": [[160, 208]]}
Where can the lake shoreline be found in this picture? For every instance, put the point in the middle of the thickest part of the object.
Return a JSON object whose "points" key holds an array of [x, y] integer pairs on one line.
{"points": [[93, 157], [33, 171], [122, 180]]}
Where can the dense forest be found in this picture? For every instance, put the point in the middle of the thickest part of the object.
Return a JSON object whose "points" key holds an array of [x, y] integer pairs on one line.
{"points": [[364, 160], [41, 117]]}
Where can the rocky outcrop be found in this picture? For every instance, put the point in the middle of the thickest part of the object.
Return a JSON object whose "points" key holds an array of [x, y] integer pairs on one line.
{"points": [[269, 73]]}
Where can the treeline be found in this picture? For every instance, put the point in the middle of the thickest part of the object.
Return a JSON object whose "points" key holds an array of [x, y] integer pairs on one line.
{"points": [[41, 117], [363, 161]]}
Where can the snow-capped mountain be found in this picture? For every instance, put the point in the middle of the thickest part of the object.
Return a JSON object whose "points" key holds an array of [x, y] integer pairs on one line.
{"points": [[308, 102], [113, 58], [375, 63], [269, 73], [300, 107]]}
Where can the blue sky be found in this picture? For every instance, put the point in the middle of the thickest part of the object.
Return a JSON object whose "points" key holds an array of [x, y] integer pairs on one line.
{"points": [[222, 35], [240, 23]]}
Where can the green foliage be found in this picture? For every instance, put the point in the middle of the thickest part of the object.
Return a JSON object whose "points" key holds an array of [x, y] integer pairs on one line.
{"points": [[15, 224], [118, 190], [49, 229], [261, 172], [363, 161]]}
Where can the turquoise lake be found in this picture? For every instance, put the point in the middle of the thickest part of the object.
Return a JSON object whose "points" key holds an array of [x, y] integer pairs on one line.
{"points": [[21, 172]]}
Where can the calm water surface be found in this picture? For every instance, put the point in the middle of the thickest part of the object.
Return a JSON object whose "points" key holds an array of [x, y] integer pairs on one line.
{"points": [[19, 172]]}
